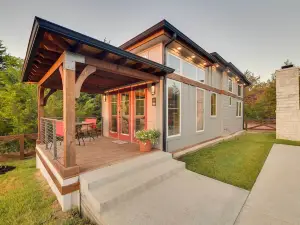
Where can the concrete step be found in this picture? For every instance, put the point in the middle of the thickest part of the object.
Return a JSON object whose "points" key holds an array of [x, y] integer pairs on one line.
{"points": [[112, 173], [106, 196]]}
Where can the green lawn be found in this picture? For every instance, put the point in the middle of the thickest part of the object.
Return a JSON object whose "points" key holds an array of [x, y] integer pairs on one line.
{"points": [[25, 198], [237, 162]]}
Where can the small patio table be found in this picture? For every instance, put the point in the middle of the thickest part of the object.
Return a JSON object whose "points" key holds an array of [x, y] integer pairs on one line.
{"points": [[79, 131]]}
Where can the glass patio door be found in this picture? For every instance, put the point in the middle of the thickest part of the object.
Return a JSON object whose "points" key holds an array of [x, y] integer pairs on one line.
{"points": [[124, 116]]}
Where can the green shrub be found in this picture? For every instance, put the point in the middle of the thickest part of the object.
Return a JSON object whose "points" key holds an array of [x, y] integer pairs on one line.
{"points": [[148, 135]]}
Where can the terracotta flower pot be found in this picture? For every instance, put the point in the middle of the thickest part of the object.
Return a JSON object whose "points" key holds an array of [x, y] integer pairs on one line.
{"points": [[145, 146]]}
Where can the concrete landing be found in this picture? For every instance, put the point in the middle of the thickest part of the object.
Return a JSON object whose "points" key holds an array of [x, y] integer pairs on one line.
{"points": [[155, 189], [275, 197]]}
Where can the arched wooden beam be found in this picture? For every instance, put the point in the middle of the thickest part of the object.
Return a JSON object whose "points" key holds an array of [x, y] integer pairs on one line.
{"points": [[48, 95], [87, 71]]}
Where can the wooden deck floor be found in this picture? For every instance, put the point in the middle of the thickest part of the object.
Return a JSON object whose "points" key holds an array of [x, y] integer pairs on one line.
{"points": [[99, 153]]}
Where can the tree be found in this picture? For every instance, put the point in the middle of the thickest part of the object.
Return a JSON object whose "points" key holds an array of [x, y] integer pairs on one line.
{"points": [[2, 54]]}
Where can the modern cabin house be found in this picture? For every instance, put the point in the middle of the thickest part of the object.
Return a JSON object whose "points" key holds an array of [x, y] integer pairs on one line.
{"points": [[160, 79]]}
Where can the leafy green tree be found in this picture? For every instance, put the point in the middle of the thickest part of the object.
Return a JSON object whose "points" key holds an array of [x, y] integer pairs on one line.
{"points": [[288, 63]]}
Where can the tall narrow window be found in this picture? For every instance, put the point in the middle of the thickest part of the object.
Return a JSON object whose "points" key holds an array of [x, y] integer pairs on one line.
{"points": [[200, 109], [139, 109], [238, 109], [230, 84], [174, 113], [239, 90], [213, 104], [189, 70], [114, 112], [230, 101]]}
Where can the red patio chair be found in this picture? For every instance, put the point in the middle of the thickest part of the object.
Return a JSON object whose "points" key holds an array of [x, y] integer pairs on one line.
{"points": [[93, 125]]}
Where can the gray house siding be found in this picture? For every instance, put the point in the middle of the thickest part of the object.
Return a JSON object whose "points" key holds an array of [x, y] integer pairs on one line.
{"points": [[189, 136], [231, 123]]}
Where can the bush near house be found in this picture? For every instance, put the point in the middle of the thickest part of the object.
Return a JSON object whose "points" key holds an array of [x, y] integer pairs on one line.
{"points": [[237, 162]]}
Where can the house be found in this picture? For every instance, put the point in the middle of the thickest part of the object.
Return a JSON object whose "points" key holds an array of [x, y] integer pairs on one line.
{"points": [[159, 79]]}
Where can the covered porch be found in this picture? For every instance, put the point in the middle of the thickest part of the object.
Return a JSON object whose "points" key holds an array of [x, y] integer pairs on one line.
{"points": [[59, 59]]}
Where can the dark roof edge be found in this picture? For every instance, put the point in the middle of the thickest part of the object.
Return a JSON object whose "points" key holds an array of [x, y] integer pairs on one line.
{"points": [[164, 24], [231, 66], [45, 25]]}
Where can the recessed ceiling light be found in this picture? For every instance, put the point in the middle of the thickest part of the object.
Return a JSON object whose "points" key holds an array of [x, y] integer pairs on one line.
{"points": [[193, 56], [204, 64], [217, 65], [179, 48]]}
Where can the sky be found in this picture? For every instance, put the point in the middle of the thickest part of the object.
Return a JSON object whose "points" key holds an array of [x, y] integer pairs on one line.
{"points": [[258, 35]]}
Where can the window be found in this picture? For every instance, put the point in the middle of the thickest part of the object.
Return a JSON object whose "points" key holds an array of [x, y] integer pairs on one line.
{"points": [[230, 101], [200, 109], [200, 75], [238, 109], [189, 70], [139, 109], [114, 113], [239, 90], [185, 68], [174, 62], [173, 101], [213, 104], [230, 84]]}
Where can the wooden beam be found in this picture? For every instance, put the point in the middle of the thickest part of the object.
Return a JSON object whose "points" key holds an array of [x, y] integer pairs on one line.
{"points": [[149, 70], [102, 55], [137, 66], [121, 70], [69, 117], [50, 46], [77, 47], [121, 61], [47, 54], [53, 68], [87, 71], [59, 42], [48, 95], [44, 61]]}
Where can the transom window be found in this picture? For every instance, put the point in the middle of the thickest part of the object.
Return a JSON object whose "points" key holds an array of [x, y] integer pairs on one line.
{"points": [[230, 84], [213, 104], [239, 90], [238, 109], [185, 68], [174, 105], [200, 109]]}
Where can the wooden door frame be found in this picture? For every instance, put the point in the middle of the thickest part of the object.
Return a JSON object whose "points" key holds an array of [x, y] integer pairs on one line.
{"points": [[118, 134]]}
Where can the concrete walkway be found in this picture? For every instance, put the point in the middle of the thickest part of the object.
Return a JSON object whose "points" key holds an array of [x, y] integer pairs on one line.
{"points": [[275, 197]]}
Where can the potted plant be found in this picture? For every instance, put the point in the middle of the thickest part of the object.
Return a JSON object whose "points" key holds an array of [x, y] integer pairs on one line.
{"points": [[147, 138]]}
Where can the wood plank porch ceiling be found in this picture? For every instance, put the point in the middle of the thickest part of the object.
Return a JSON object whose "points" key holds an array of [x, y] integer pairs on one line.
{"points": [[48, 41]]}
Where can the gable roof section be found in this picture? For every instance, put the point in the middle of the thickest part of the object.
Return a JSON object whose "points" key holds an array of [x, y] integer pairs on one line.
{"points": [[165, 25], [42, 27]]}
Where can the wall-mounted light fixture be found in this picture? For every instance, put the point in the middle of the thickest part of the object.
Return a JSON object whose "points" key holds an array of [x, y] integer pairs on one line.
{"points": [[104, 97], [153, 89]]}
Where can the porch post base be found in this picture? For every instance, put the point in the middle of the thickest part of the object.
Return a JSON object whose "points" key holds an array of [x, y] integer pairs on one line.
{"points": [[65, 189]]}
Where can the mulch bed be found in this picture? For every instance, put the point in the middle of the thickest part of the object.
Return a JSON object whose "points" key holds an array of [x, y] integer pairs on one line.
{"points": [[5, 169]]}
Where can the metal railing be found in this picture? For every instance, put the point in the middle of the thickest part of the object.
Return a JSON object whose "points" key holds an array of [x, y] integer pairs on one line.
{"points": [[52, 136]]}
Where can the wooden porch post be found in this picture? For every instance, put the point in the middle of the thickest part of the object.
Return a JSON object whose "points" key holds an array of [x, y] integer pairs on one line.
{"points": [[68, 78], [41, 92]]}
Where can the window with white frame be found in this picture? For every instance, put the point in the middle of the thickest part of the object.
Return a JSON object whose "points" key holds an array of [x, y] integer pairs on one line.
{"points": [[189, 70], [201, 75], [230, 101], [184, 68], [200, 109], [238, 109], [239, 90], [213, 104], [230, 84], [174, 107], [174, 62]]}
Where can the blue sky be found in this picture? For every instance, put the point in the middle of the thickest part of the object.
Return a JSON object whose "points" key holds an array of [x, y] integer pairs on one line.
{"points": [[254, 35]]}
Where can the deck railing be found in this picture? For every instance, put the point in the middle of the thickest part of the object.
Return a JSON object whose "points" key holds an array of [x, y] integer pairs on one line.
{"points": [[52, 135]]}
